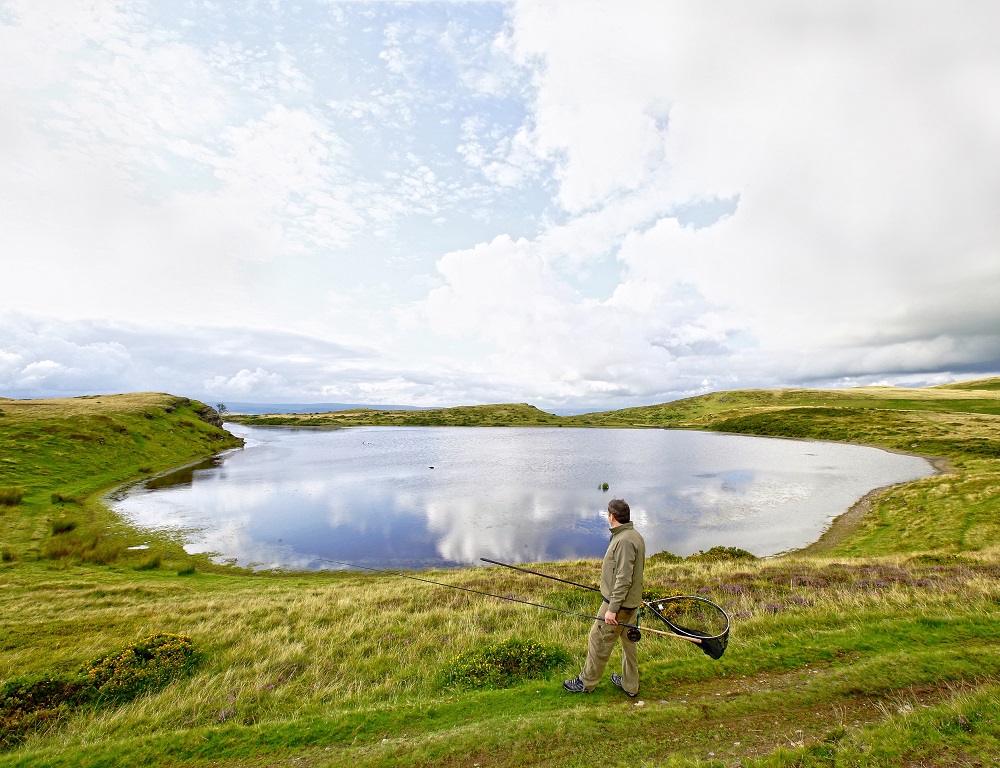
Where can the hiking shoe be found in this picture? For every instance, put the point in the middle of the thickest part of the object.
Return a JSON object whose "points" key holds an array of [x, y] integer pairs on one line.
{"points": [[575, 685], [617, 680]]}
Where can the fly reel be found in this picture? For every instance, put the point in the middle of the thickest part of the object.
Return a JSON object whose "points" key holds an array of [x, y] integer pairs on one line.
{"points": [[634, 634]]}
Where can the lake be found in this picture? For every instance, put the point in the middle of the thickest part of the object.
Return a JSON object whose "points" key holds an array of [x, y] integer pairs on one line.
{"points": [[425, 497]]}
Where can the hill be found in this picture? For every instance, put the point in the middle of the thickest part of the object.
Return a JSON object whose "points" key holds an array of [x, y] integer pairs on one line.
{"points": [[60, 455], [506, 415], [991, 384]]}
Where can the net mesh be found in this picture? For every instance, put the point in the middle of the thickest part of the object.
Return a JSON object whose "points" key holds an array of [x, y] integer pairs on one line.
{"points": [[695, 617]]}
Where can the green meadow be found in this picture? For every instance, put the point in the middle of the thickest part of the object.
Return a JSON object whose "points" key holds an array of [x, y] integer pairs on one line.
{"points": [[877, 645]]}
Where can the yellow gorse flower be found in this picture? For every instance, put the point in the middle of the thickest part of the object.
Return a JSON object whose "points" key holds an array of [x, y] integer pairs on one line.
{"points": [[144, 665]]}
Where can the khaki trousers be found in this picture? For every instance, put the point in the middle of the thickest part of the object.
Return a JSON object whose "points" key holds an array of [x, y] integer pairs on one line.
{"points": [[600, 644]]}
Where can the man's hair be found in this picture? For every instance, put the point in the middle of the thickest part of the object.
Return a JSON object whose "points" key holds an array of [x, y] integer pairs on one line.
{"points": [[620, 510]]}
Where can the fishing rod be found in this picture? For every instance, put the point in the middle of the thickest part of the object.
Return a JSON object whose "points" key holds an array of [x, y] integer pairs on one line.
{"points": [[712, 642], [509, 599], [537, 573]]}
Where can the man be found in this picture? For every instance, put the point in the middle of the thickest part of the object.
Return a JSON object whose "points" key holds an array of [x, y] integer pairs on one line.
{"points": [[621, 588]]}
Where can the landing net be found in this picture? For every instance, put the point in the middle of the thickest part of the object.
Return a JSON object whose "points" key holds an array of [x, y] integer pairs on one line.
{"points": [[693, 616]]}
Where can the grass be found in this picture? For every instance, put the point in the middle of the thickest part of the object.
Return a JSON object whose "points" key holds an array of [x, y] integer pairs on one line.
{"points": [[877, 648], [11, 495], [514, 415], [63, 455]]}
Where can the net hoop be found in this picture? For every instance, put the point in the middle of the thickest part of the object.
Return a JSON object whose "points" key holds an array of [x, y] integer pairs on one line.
{"points": [[656, 607]]}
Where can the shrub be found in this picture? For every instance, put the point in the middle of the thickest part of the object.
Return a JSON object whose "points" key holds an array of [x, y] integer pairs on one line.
{"points": [[664, 557], [673, 610], [143, 666], [650, 596], [29, 704], [27, 693], [7, 555], [11, 495], [716, 554], [64, 498], [503, 664]]}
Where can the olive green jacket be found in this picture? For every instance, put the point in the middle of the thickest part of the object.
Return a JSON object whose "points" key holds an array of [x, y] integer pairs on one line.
{"points": [[621, 572]]}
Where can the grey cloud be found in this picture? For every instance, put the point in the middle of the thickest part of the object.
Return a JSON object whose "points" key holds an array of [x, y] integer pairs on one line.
{"points": [[41, 358]]}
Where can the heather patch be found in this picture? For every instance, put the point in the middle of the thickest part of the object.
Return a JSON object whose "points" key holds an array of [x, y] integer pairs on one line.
{"points": [[28, 704]]}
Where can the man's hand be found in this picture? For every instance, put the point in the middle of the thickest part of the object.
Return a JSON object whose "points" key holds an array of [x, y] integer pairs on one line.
{"points": [[611, 618]]}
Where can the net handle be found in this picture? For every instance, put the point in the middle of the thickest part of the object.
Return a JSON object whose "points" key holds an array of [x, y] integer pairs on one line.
{"points": [[664, 634]]}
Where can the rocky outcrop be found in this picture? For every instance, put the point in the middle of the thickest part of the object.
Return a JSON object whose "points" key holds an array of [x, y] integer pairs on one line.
{"points": [[208, 414]]}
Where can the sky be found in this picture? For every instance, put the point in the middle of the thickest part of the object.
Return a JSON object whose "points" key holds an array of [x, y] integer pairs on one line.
{"points": [[580, 205]]}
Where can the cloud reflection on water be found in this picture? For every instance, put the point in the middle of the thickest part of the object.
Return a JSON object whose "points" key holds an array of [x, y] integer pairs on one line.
{"points": [[301, 499]]}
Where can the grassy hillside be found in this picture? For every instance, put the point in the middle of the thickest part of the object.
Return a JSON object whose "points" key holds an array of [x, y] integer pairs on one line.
{"points": [[704, 411], [879, 648], [59, 455], [508, 415], [980, 384]]}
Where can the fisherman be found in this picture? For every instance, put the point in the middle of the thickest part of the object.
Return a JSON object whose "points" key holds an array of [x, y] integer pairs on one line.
{"points": [[621, 588]]}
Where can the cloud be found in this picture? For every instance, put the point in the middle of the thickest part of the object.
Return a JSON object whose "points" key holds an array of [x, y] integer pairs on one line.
{"points": [[42, 358], [853, 138], [245, 382], [548, 339], [553, 201]]}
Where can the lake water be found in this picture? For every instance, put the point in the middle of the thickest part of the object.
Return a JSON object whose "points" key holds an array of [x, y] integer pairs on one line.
{"points": [[422, 497]]}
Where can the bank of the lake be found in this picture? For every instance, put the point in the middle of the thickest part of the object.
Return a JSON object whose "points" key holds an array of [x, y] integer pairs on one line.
{"points": [[881, 651]]}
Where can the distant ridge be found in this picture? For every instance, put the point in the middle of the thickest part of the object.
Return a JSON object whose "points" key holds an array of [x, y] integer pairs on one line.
{"points": [[977, 384], [256, 409]]}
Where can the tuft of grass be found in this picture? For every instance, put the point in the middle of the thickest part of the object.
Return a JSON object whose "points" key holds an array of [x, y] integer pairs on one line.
{"points": [[151, 563], [62, 525], [102, 551], [11, 495]]}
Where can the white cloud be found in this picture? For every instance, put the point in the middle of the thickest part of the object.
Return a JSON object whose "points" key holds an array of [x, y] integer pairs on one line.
{"points": [[596, 88], [853, 136], [286, 167], [46, 358], [484, 202], [244, 383]]}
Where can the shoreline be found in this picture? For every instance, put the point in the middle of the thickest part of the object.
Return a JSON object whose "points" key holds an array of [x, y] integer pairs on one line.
{"points": [[840, 528], [845, 524]]}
